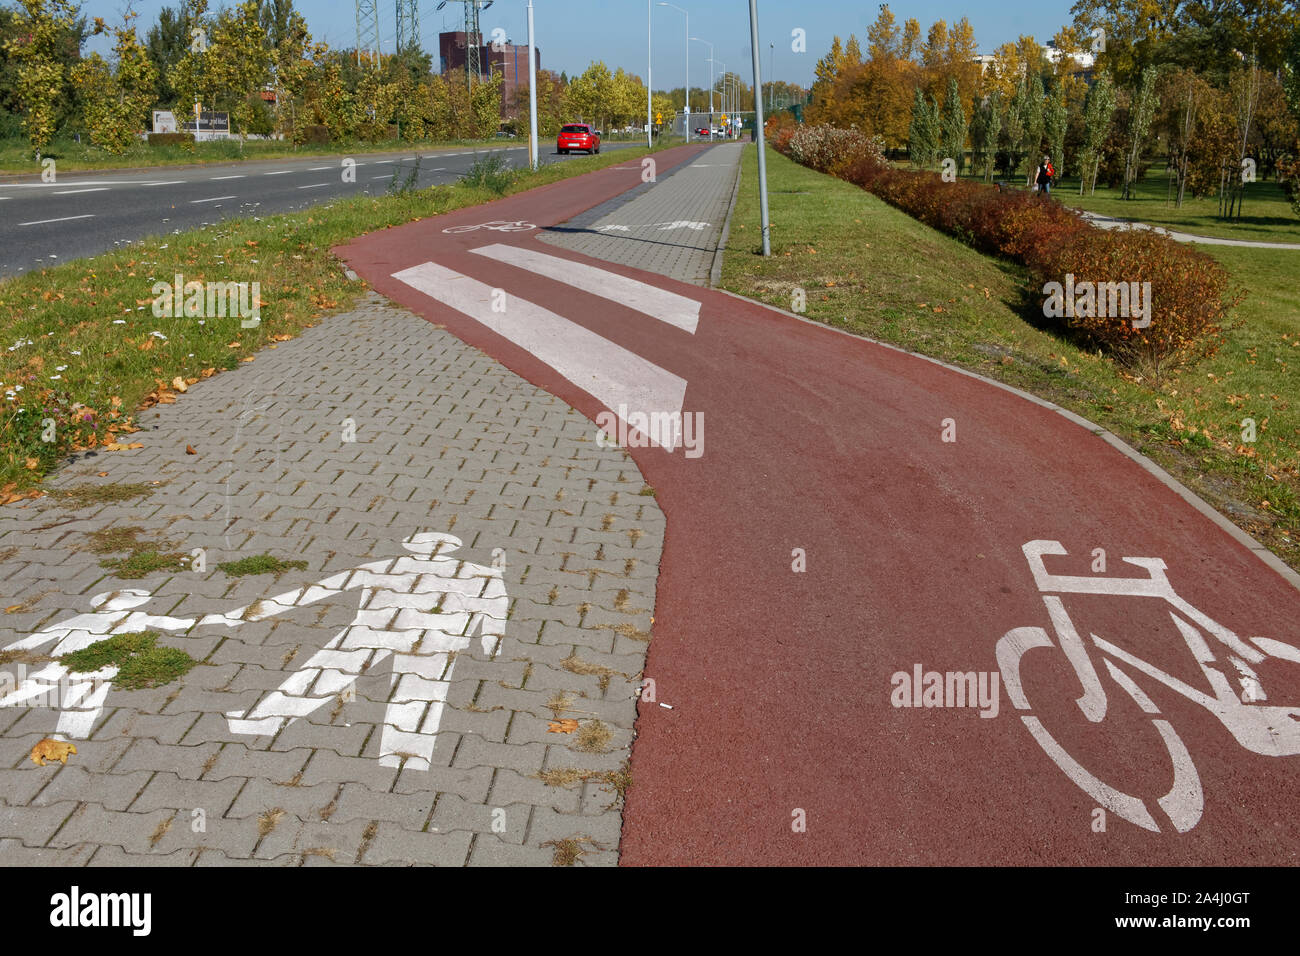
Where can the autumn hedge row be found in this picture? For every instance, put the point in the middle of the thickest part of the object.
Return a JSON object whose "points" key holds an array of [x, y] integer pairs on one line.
{"points": [[1189, 293]]}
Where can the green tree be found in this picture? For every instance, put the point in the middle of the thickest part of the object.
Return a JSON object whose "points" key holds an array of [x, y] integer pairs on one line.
{"points": [[166, 43], [1141, 114], [1097, 113], [39, 47], [923, 134], [954, 126], [1056, 116], [986, 127], [117, 101]]}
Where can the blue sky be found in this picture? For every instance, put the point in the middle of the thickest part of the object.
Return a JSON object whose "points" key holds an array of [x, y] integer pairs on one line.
{"points": [[572, 33]]}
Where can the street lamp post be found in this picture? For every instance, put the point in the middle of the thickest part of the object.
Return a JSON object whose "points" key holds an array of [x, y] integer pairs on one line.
{"points": [[688, 64], [724, 95], [533, 155], [649, 83], [756, 57], [710, 46]]}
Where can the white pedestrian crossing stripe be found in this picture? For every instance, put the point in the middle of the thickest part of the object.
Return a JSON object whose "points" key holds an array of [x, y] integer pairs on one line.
{"points": [[615, 376], [676, 310]]}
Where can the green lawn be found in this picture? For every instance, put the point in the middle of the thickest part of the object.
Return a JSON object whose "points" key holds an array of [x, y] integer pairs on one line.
{"points": [[87, 351], [1267, 214], [875, 271]]}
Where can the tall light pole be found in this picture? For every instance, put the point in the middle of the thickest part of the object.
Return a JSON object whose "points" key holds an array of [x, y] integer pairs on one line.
{"points": [[710, 46], [758, 127], [724, 95], [649, 85], [533, 155], [688, 65]]}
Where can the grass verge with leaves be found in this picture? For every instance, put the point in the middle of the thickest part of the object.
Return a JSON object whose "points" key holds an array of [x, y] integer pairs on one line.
{"points": [[88, 354]]}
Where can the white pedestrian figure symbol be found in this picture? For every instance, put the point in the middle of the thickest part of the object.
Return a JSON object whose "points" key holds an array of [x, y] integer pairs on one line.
{"points": [[80, 696], [421, 609]]}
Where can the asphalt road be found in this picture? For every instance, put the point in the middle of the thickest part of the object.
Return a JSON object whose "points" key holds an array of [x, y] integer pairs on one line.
{"points": [[84, 214]]}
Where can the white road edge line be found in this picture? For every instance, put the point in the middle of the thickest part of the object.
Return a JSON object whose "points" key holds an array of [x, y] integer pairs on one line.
{"points": [[676, 310], [317, 169], [312, 186], [613, 375], [170, 182], [213, 199], [76, 192], [41, 222], [236, 176], [279, 172]]}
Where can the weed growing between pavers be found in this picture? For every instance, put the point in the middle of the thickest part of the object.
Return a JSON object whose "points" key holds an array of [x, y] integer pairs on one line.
{"points": [[76, 496], [594, 737], [569, 850], [260, 564], [143, 556], [140, 662], [617, 782]]}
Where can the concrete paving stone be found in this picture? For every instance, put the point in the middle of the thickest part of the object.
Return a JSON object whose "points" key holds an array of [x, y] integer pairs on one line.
{"points": [[194, 830], [338, 737], [127, 723], [92, 823], [561, 756], [327, 766], [238, 760], [471, 784], [490, 726], [408, 810], [393, 846], [511, 787], [118, 857], [564, 635], [507, 823], [114, 791], [474, 751], [210, 856], [34, 825], [290, 835], [547, 824], [168, 790], [13, 853], [489, 850], [262, 795]]}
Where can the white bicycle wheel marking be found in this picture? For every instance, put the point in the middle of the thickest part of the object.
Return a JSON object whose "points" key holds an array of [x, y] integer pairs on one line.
{"points": [[1259, 728]]}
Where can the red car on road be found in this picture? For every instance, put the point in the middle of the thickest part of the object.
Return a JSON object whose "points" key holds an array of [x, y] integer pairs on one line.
{"points": [[577, 136]]}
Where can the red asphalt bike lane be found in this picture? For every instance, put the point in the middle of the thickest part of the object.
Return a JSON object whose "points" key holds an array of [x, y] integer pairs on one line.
{"points": [[784, 744]]}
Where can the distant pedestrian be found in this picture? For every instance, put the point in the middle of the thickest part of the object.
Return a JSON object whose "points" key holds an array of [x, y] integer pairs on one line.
{"points": [[1045, 173]]}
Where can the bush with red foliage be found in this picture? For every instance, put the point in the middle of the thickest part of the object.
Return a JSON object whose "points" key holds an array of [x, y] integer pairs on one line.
{"points": [[1190, 296]]}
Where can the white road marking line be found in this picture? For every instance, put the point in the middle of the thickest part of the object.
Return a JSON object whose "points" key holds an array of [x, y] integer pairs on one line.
{"points": [[236, 176], [279, 172], [170, 182], [316, 169], [612, 374], [312, 186], [41, 222], [75, 192], [676, 310], [380, 162], [385, 176], [213, 199]]}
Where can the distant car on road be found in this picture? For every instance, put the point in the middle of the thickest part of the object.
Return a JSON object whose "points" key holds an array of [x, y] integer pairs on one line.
{"points": [[702, 131], [577, 136]]}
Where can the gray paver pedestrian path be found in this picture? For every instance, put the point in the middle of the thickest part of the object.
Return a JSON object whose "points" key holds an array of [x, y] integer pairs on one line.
{"points": [[446, 440], [672, 228]]}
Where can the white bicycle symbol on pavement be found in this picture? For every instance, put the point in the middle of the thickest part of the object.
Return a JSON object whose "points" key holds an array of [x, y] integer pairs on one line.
{"points": [[1268, 730], [497, 225]]}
